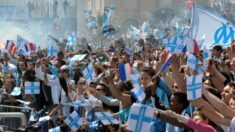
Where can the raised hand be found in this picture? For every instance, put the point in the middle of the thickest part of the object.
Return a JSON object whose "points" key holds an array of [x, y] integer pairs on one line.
{"points": [[231, 51]]}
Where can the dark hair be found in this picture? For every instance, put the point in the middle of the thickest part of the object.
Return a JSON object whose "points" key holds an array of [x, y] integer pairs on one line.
{"points": [[125, 86], [106, 88], [18, 66], [98, 69], [209, 79], [218, 48], [29, 75], [77, 75], [60, 53], [181, 98], [148, 70], [213, 91], [231, 85]]}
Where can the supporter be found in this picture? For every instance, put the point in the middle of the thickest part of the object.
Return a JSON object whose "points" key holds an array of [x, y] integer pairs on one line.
{"points": [[199, 123]]}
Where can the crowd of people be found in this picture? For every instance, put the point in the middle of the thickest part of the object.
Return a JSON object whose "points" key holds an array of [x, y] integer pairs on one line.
{"points": [[65, 89], [166, 91]]}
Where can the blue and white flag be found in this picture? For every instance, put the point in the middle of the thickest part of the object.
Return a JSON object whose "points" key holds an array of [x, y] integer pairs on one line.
{"points": [[193, 63], [71, 39], [158, 34], [106, 118], [128, 51], [217, 30], [74, 121], [107, 28], [171, 44], [76, 58], [16, 91], [194, 87], [137, 90], [32, 87], [77, 103], [92, 25], [135, 32], [140, 118], [56, 129], [145, 27], [54, 71], [180, 46], [89, 73], [52, 51], [125, 71], [107, 14], [206, 54], [178, 30], [91, 22]]}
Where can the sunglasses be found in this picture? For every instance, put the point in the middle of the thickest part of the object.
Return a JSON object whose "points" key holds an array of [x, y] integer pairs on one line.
{"points": [[99, 89], [175, 87]]}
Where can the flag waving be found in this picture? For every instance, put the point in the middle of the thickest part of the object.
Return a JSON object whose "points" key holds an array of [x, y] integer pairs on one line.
{"points": [[167, 61], [217, 30]]}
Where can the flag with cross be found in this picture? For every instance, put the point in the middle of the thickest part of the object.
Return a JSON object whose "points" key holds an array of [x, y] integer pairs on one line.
{"points": [[106, 118], [74, 121], [16, 91], [137, 90], [32, 87], [206, 54], [89, 73], [52, 51], [140, 118], [180, 47], [170, 44], [193, 63], [194, 87]]}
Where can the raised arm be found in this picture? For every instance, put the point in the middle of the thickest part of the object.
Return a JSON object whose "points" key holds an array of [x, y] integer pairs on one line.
{"points": [[170, 119], [108, 101], [219, 105], [217, 78], [210, 112], [199, 127], [124, 98]]}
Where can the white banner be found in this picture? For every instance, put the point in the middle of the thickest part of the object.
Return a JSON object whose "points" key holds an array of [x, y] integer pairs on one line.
{"points": [[217, 30]]}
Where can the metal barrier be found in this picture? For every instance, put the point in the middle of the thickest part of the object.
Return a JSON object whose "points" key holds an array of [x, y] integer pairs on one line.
{"points": [[14, 116]]}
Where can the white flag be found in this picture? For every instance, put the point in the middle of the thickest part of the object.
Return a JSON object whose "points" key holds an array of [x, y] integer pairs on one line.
{"points": [[217, 30]]}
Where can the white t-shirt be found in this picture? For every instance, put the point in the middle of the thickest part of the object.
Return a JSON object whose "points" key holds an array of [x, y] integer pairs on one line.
{"points": [[232, 123]]}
